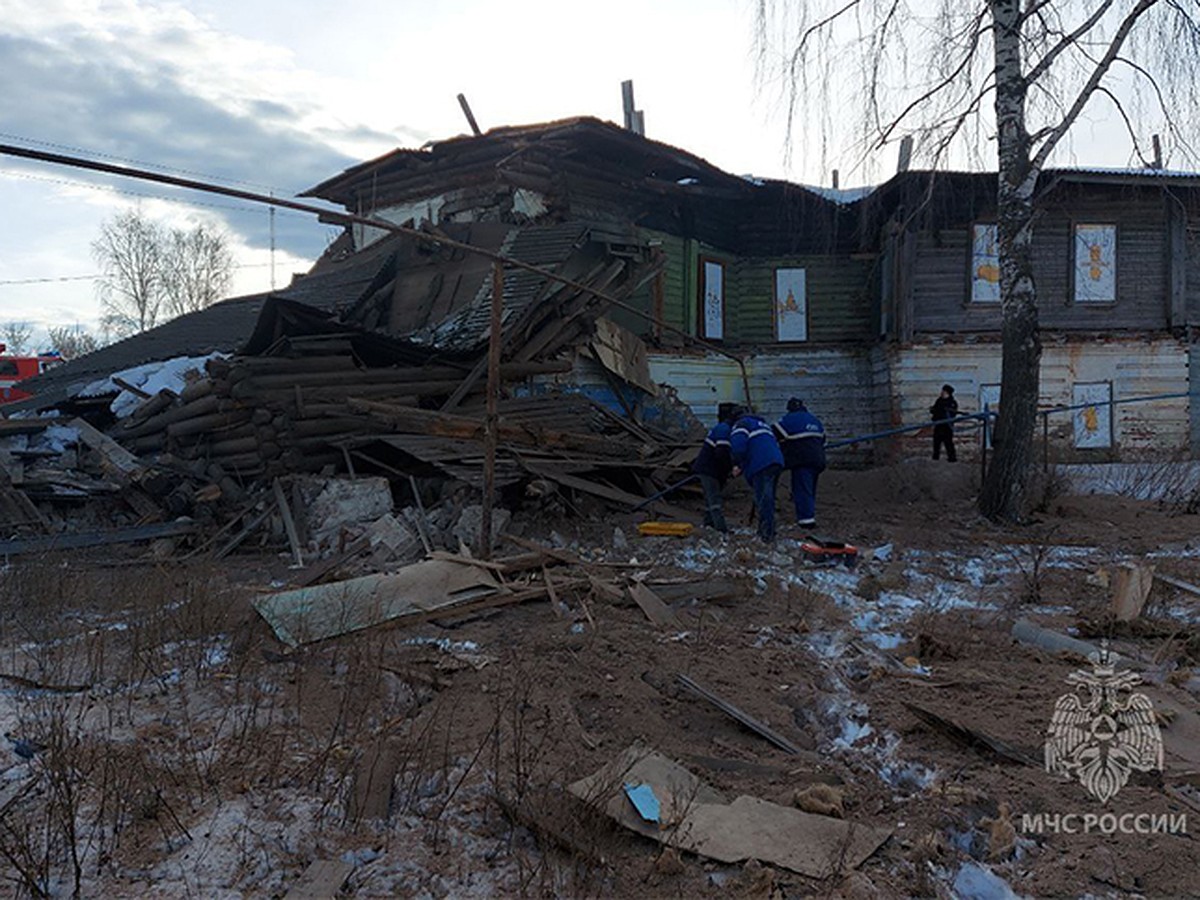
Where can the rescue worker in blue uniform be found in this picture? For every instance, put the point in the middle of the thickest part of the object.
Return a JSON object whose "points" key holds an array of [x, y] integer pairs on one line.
{"points": [[713, 465], [802, 438], [756, 455]]}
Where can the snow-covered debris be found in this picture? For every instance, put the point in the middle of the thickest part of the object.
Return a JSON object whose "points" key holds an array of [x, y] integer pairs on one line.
{"points": [[149, 378]]}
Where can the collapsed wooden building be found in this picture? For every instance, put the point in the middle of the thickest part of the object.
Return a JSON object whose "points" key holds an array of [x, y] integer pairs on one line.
{"points": [[726, 288]]}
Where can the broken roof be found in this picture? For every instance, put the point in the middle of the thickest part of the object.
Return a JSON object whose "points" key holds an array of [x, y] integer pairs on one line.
{"points": [[222, 327], [401, 171]]}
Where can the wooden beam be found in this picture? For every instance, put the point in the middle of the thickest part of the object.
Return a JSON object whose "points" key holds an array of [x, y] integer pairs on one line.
{"points": [[96, 538], [615, 495], [289, 523], [116, 458], [432, 422]]}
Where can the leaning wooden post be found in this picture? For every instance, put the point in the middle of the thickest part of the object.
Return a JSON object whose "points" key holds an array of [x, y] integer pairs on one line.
{"points": [[492, 425]]}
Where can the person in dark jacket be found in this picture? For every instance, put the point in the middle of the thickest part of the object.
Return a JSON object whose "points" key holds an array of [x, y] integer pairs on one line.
{"points": [[713, 465], [943, 409], [756, 455], [802, 438]]}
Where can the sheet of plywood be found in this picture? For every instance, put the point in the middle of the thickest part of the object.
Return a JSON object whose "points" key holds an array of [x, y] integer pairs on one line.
{"points": [[315, 613]]}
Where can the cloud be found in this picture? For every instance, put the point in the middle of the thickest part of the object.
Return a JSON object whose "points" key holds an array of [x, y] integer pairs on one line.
{"points": [[154, 86]]}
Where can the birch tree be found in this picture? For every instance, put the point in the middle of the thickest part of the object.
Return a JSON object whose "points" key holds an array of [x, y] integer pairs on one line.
{"points": [[129, 252], [72, 341], [149, 273], [957, 75], [197, 270], [15, 336]]}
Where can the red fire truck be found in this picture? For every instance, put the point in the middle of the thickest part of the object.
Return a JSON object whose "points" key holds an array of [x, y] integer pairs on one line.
{"points": [[18, 368]]}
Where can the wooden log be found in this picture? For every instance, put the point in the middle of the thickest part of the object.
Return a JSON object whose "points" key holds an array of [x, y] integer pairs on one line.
{"points": [[248, 391], [427, 421], [280, 364], [161, 401], [405, 375], [234, 446], [210, 422], [202, 407], [196, 390], [149, 444], [239, 462], [345, 425]]}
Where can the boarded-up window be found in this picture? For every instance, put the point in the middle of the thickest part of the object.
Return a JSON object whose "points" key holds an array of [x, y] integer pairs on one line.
{"points": [[1093, 423], [985, 265], [712, 295], [1095, 263], [791, 305]]}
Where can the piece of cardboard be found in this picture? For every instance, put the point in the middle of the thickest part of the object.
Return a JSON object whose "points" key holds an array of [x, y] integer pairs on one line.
{"points": [[697, 818]]}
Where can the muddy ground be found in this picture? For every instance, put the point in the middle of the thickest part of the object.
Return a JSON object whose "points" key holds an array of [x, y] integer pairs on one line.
{"points": [[180, 750]]}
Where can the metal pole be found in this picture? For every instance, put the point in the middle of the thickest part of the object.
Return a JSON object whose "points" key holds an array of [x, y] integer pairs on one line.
{"points": [[983, 444], [492, 423]]}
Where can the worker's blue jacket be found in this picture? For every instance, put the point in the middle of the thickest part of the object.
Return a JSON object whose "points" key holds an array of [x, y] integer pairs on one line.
{"points": [[802, 438], [714, 458], [753, 446]]}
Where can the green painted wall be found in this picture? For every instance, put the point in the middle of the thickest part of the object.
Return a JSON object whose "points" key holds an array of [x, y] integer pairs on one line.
{"points": [[839, 294], [838, 290]]}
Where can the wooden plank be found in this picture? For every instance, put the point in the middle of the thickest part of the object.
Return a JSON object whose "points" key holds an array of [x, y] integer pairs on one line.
{"points": [[656, 611], [606, 492], [1184, 586], [971, 737], [96, 538], [733, 712], [1130, 589], [433, 423], [250, 527], [316, 570], [115, 457], [9, 427], [322, 880], [289, 523]]}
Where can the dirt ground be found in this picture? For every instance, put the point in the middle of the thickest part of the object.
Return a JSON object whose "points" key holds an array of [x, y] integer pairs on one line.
{"points": [[183, 751]]}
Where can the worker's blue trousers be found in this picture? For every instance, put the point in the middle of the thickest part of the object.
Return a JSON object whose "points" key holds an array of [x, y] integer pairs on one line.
{"points": [[804, 494], [764, 484]]}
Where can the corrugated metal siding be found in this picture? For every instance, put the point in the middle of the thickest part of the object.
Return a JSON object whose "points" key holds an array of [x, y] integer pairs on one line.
{"points": [[1136, 368], [837, 384], [940, 272], [838, 290]]}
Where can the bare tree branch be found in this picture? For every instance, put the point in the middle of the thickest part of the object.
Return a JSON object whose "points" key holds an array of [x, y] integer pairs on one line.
{"points": [[1085, 93], [1069, 41]]}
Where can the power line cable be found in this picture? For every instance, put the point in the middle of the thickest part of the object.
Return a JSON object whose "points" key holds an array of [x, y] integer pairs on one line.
{"points": [[162, 168], [52, 279], [109, 189]]}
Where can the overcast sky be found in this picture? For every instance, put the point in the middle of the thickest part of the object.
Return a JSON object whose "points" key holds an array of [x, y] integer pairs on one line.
{"points": [[277, 96]]}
